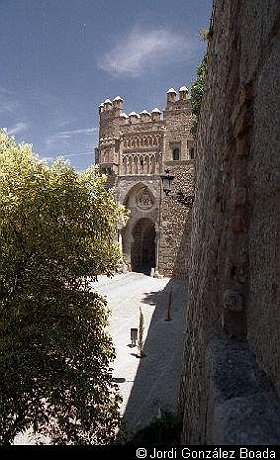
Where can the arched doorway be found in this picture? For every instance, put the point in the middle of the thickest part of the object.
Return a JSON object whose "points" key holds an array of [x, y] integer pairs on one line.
{"points": [[143, 246]]}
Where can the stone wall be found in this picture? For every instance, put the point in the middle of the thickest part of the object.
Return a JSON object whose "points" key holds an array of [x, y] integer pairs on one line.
{"points": [[235, 262], [175, 225]]}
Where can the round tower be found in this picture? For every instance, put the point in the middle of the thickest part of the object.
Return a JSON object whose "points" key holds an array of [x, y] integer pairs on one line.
{"points": [[145, 116], [118, 105], [101, 108], [156, 114], [108, 105], [171, 96], [124, 118], [133, 117], [183, 91]]}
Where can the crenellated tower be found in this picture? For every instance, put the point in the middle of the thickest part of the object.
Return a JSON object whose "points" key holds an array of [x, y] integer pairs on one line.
{"points": [[134, 150]]}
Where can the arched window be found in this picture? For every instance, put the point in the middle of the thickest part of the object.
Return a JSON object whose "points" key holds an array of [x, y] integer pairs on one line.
{"points": [[192, 154], [176, 154]]}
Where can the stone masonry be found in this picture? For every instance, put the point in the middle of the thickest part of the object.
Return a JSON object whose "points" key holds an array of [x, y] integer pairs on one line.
{"points": [[134, 150], [231, 377]]}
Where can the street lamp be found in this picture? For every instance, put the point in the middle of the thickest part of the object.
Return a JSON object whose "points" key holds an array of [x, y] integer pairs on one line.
{"points": [[167, 179], [185, 200]]}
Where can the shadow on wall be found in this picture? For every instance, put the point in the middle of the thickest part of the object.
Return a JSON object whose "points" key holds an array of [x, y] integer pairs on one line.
{"points": [[156, 385], [182, 261]]}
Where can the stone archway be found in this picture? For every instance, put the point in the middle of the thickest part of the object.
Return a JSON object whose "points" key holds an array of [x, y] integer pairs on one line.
{"points": [[143, 247]]}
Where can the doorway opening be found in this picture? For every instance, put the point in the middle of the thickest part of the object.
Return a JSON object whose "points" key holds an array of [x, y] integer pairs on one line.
{"points": [[143, 248]]}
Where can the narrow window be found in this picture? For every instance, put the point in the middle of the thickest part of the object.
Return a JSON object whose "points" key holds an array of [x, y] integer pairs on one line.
{"points": [[176, 154], [192, 154]]}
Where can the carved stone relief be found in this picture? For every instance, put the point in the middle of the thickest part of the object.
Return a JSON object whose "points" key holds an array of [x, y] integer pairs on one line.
{"points": [[144, 199]]}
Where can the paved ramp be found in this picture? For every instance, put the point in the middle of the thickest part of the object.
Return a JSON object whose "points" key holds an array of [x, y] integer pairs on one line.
{"points": [[150, 384]]}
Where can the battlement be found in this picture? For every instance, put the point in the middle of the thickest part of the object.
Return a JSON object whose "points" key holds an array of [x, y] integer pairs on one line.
{"points": [[142, 143], [173, 102], [113, 109]]}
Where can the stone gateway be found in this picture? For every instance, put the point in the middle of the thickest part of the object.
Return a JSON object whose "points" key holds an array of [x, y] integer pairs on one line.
{"points": [[134, 150]]}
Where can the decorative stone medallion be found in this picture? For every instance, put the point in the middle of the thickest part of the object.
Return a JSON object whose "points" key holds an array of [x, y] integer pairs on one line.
{"points": [[144, 199]]}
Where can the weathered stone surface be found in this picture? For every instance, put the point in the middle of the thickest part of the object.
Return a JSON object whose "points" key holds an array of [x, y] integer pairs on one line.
{"points": [[242, 406], [236, 222], [232, 300]]}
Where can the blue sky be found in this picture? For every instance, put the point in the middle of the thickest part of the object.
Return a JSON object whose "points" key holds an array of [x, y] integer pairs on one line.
{"points": [[61, 58]]}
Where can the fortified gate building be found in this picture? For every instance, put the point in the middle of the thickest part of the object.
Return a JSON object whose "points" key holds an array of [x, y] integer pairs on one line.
{"points": [[134, 150]]}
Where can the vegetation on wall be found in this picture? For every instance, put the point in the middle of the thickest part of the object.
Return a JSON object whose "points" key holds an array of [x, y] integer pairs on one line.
{"points": [[56, 229], [197, 88]]}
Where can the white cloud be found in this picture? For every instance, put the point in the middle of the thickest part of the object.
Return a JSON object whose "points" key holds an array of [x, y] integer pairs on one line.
{"points": [[68, 134], [18, 128], [8, 103], [79, 154], [141, 50]]}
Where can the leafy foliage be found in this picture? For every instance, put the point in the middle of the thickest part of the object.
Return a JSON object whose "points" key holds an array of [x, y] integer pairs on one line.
{"points": [[204, 34], [56, 230], [198, 87]]}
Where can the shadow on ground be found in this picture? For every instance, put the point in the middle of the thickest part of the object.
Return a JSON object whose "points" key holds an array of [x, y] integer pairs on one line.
{"points": [[156, 385]]}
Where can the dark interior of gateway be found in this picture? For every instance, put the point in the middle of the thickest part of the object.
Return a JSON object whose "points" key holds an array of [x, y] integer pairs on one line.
{"points": [[143, 248]]}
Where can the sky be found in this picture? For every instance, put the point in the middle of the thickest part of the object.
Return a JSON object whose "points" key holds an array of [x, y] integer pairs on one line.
{"points": [[61, 58]]}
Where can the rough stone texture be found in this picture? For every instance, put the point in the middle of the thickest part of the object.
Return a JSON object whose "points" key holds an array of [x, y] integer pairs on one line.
{"points": [[134, 151], [176, 226], [234, 265], [264, 237], [243, 408]]}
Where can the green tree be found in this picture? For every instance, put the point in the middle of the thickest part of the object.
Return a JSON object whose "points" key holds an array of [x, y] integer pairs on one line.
{"points": [[56, 230]]}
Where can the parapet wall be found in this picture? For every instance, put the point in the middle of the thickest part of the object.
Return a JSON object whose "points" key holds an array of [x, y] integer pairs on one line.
{"points": [[235, 260]]}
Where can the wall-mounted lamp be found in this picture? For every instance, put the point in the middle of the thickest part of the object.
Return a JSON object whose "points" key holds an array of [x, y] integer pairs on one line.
{"points": [[167, 178]]}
